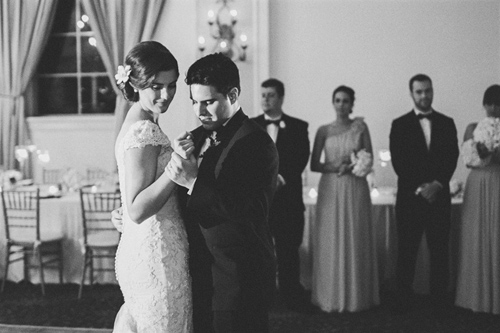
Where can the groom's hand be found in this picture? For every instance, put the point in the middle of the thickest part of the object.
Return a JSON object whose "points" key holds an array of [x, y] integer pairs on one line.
{"points": [[183, 145], [182, 171]]}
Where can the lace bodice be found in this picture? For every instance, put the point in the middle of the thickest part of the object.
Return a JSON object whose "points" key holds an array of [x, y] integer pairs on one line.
{"points": [[151, 261], [339, 146]]}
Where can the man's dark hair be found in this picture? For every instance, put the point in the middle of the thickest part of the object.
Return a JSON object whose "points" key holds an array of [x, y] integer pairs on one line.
{"points": [[215, 70], [492, 95], [276, 84], [419, 78]]}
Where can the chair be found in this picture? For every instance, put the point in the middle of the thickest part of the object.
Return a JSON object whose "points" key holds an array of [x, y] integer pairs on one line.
{"points": [[96, 175], [52, 176], [21, 211], [100, 238]]}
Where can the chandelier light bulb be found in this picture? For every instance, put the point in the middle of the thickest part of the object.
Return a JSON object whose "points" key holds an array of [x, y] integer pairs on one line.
{"points": [[222, 28], [211, 16], [85, 18], [243, 39], [80, 24]]}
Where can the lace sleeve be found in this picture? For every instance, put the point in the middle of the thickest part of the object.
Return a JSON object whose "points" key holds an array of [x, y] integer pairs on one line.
{"points": [[143, 133]]}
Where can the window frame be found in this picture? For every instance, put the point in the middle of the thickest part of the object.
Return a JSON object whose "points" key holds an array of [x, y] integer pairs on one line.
{"points": [[79, 74]]}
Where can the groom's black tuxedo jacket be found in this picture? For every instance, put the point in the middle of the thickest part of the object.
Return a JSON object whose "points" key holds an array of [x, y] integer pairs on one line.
{"points": [[415, 164], [232, 208]]}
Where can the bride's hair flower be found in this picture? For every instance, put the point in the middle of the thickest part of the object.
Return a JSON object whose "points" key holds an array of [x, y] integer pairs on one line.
{"points": [[123, 74]]}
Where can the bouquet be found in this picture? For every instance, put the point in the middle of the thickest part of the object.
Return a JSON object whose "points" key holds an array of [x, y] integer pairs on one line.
{"points": [[456, 187], [361, 163], [487, 132], [476, 152]]}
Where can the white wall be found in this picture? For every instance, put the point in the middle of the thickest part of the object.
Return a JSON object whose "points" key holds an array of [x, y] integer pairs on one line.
{"points": [[375, 47]]}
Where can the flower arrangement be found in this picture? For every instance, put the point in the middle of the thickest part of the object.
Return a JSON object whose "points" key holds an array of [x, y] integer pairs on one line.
{"points": [[485, 139], [123, 74], [71, 180], [361, 162], [9, 178]]}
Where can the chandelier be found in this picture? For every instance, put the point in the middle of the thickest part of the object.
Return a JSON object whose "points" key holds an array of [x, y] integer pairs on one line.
{"points": [[222, 29]]}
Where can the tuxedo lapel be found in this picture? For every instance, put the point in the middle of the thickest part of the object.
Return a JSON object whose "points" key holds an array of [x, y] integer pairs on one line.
{"points": [[261, 121], [224, 135], [416, 128]]}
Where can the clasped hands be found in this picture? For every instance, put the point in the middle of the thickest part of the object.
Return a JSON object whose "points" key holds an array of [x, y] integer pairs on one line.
{"points": [[183, 166], [429, 191]]}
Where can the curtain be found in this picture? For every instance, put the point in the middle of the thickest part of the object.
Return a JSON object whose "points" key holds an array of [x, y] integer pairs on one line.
{"points": [[24, 27], [118, 26]]}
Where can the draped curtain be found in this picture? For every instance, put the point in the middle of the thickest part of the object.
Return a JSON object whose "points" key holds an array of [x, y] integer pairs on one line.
{"points": [[24, 27], [118, 26]]}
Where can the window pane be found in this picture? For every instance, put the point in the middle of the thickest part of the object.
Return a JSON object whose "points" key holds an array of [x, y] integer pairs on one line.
{"points": [[97, 95], [91, 60], [59, 56], [64, 20], [57, 96]]}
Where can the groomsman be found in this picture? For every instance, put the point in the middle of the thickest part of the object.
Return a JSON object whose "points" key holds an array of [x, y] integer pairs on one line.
{"points": [[286, 216], [231, 178], [424, 150]]}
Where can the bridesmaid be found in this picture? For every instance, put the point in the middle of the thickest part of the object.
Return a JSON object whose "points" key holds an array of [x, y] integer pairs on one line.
{"points": [[478, 279], [345, 276]]}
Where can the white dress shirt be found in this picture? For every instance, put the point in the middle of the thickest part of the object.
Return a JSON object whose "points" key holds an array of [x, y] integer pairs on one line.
{"points": [[272, 129], [426, 127]]}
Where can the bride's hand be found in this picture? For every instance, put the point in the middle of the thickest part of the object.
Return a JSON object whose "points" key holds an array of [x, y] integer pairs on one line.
{"points": [[183, 145]]}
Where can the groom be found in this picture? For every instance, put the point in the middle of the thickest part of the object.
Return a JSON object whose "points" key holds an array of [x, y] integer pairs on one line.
{"points": [[231, 177]]}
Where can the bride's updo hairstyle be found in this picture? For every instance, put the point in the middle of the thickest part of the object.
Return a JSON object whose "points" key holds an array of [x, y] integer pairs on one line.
{"points": [[146, 59]]}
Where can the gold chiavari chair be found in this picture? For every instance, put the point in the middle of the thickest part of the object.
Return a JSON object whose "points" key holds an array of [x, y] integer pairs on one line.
{"points": [[100, 238], [25, 239], [52, 176]]}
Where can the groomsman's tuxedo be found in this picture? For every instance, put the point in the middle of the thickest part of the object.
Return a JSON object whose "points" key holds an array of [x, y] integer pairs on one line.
{"points": [[230, 200], [415, 164], [286, 217]]}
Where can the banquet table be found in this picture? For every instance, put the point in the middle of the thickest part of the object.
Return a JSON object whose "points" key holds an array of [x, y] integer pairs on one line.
{"points": [[385, 237], [63, 215]]}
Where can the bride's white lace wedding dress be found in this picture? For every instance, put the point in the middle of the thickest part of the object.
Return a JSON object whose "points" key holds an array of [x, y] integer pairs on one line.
{"points": [[152, 257]]}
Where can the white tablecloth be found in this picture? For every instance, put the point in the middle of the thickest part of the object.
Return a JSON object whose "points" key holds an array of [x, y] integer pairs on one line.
{"points": [[60, 215], [385, 235]]}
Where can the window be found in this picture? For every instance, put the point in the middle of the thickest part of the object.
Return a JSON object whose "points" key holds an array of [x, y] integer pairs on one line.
{"points": [[72, 78]]}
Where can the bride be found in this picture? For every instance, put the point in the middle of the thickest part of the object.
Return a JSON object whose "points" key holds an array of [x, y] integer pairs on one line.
{"points": [[152, 257]]}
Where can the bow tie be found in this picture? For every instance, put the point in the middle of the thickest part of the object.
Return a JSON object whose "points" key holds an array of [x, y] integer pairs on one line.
{"points": [[274, 122], [428, 115]]}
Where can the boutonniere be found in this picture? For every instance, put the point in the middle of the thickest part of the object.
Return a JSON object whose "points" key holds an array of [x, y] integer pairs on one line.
{"points": [[282, 124], [213, 139]]}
